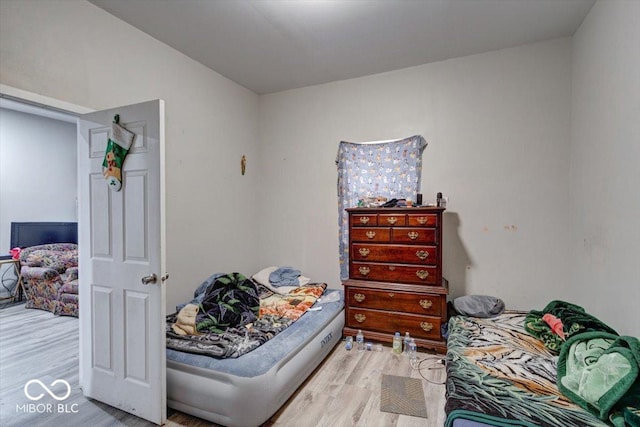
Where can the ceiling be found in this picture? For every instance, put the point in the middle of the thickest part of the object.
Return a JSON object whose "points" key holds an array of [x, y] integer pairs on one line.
{"points": [[274, 45]]}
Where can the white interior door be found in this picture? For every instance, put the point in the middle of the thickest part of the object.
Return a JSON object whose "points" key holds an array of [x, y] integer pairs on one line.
{"points": [[121, 241]]}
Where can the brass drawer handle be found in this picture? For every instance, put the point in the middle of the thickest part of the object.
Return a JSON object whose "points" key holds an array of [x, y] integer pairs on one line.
{"points": [[361, 318], [426, 303], [422, 274], [359, 297], [392, 220], [426, 326], [413, 235], [422, 254], [364, 251], [371, 234], [422, 220], [392, 268], [391, 294], [364, 270], [364, 219]]}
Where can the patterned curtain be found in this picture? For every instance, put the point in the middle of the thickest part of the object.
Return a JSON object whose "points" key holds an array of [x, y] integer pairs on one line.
{"points": [[387, 169]]}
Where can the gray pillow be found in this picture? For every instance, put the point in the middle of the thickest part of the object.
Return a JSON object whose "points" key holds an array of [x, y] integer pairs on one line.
{"points": [[478, 305]]}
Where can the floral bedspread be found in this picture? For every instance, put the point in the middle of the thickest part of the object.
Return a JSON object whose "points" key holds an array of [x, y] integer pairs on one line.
{"points": [[277, 312]]}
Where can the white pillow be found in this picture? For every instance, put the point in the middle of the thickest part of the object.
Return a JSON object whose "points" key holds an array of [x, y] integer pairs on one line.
{"points": [[262, 277]]}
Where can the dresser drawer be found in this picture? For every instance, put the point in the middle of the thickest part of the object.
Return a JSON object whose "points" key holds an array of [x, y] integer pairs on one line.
{"points": [[391, 321], [402, 254], [395, 275], [414, 235], [370, 234], [393, 220], [364, 220], [422, 220], [419, 274], [427, 304]]}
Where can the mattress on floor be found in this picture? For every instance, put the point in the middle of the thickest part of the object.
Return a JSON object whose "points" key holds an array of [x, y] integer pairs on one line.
{"points": [[462, 422], [499, 375], [247, 390]]}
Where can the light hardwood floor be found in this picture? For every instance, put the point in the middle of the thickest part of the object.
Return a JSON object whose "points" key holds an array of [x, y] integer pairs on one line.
{"points": [[343, 391]]}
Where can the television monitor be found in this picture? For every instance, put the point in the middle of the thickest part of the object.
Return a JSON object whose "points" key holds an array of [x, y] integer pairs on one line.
{"points": [[25, 234]]}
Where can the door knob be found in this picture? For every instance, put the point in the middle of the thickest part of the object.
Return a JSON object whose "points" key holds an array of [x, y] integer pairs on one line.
{"points": [[152, 278]]}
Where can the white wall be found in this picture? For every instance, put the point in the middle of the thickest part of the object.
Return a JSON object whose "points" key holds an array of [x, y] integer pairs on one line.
{"points": [[605, 159], [38, 171], [498, 128], [542, 204], [83, 55]]}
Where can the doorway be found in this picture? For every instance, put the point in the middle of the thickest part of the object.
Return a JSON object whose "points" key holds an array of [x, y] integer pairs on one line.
{"points": [[141, 213], [38, 172]]}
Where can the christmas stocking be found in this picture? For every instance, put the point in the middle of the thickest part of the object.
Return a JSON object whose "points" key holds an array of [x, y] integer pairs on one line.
{"points": [[117, 149]]}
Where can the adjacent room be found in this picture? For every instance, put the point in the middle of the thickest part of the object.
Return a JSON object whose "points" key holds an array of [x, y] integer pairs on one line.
{"points": [[299, 174], [38, 184]]}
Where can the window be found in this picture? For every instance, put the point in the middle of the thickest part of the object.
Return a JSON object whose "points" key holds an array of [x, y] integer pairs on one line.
{"points": [[388, 169]]}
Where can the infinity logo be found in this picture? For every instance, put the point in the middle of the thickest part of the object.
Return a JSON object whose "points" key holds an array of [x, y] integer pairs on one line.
{"points": [[38, 397]]}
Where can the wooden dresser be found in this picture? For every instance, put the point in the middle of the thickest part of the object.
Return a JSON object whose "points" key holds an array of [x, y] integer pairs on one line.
{"points": [[395, 275]]}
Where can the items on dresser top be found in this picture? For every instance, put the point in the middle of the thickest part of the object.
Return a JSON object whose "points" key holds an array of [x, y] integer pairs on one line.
{"points": [[395, 274]]}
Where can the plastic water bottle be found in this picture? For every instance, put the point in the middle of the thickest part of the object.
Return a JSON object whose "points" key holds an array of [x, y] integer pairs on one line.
{"points": [[405, 343], [359, 341], [348, 343], [413, 352], [397, 344]]}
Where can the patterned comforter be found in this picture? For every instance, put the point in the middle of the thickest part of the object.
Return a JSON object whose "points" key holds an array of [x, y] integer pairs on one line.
{"points": [[500, 375], [277, 312]]}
